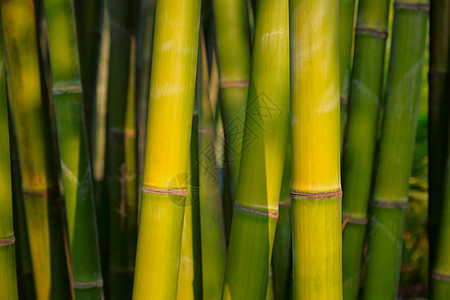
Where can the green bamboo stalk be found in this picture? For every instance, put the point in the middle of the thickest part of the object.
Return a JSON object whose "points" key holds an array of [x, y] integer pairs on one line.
{"points": [[266, 130], [316, 185], [360, 142], [131, 183], [99, 121], [144, 40], [32, 125], [390, 197], [172, 87], [98, 149], [89, 21], [212, 227], [282, 246], [346, 21], [120, 168], [8, 278], [24, 269], [440, 276], [190, 274], [233, 54], [438, 114], [74, 150]]}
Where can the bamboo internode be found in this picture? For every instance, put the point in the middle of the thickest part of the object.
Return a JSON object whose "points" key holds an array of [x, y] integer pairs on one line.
{"points": [[346, 24], [89, 20]]}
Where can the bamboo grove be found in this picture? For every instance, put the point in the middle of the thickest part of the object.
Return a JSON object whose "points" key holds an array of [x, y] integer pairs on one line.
{"points": [[224, 149]]}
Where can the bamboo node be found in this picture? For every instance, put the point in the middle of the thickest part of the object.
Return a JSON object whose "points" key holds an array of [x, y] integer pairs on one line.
{"points": [[390, 204], [437, 73], [7, 241], [316, 195], [206, 130], [371, 31], [69, 90], [87, 284], [415, 6], [254, 211], [344, 100], [284, 203], [121, 131], [349, 219], [159, 191], [438, 276], [233, 83], [44, 192]]}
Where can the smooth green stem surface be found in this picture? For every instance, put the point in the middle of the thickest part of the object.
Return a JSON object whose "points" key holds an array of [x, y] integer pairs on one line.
{"points": [[396, 150], [89, 20], [233, 53], [74, 150], [360, 142], [212, 227], [346, 22]]}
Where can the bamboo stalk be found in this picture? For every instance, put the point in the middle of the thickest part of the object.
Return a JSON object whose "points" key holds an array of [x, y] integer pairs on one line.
{"points": [[190, 274], [32, 124], [144, 40], [266, 130], [74, 150], [360, 143], [8, 279], [346, 22], [282, 246], [233, 54], [440, 275], [120, 169], [316, 186], [438, 115], [390, 197], [25, 281], [212, 227], [99, 149], [172, 88], [89, 21], [24, 269]]}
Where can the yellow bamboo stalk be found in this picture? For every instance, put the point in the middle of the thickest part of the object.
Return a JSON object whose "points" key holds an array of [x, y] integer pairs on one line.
{"points": [[171, 103], [316, 186]]}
